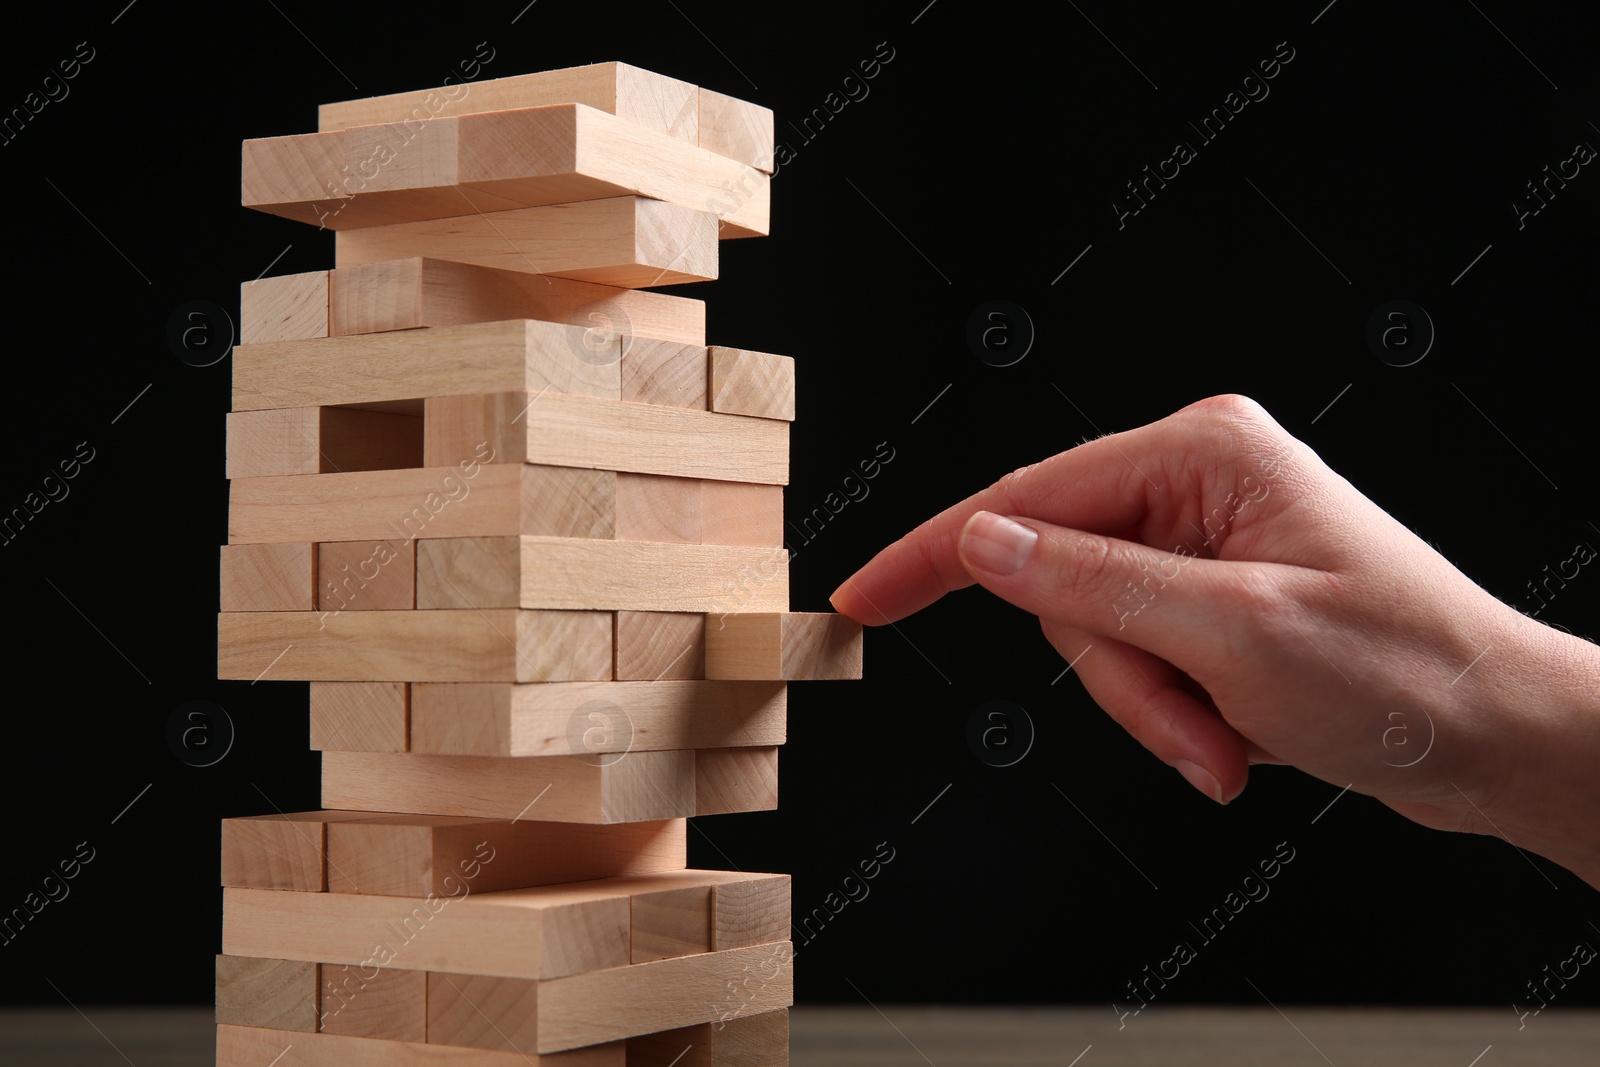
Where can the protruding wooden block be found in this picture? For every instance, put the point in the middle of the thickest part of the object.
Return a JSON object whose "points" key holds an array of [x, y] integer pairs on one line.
{"points": [[252, 991], [626, 241], [391, 1005], [663, 372], [280, 852], [281, 441], [360, 716], [652, 507], [739, 513], [743, 1041], [752, 383], [751, 911], [404, 294], [244, 1046], [656, 645], [468, 499], [273, 577], [738, 129], [734, 779], [589, 432], [644, 787], [418, 855], [289, 307], [784, 645], [671, 922], [426, 646], [641, 97], [604, 720], [406, 365], [366, 575], [598, 575]]}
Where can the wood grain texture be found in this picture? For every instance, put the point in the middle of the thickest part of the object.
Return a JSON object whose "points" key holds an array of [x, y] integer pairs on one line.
{"points": [[598, 575], [641, 97], [671, 922], [279, 441], [628, 242], [278, 852], [246, 1046], [750, 911], [424, 646], [252, 991], [405, 294], [644, 787], [366, 575], [664, 371], [752, 383], [532, 933], [738, 129], [599, 434], [735, 779], [289, 307], [360, 716], [657, 645], [739, 513], [784, 645], [485, 357], [415, 855], [391, 1005], [745, 1041], [595, 718], [652, 507], [272, 577], [467, 499], [527, 157]]}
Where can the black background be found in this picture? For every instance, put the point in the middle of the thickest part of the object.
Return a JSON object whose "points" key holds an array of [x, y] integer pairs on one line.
{"points": [[981, 164]]}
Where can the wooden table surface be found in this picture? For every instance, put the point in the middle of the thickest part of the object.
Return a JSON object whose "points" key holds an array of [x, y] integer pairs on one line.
{"points": [[919, 1036]]}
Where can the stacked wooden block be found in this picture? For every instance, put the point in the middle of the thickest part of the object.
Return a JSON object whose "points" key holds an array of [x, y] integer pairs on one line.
{"points": [[522, 531]]}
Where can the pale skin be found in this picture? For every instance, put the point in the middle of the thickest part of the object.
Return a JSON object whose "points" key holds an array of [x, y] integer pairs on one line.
{"points": [[1245, 604]]}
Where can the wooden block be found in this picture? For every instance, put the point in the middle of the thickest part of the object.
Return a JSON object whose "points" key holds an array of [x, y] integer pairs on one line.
{"points": [[360, 716], [645, 787], [664, 372], [252, 991], [485, 357], [738, 129], [644, 98], [274, 577], [752, 383], [599, 434], [597, 719], [656, 645], [733, 779], [628, 242], [545, 931], [784, 645], [290, 307], [405, 294], [284, 852], [243, 1046], [468, 499], [670, 922], [279, 441], [391, 1005], [739, 513], [598, 575], [743, 1041], [652, 507], [423, 646], [366, 575], [751, 911], [492, 161], [418, 855]]}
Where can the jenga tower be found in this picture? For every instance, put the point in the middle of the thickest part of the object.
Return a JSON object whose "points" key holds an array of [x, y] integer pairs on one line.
{"points": [[522, 532]]}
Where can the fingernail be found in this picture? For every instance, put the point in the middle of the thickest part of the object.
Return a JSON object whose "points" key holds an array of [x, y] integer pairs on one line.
{"points": [[1200, 778], [997, 544]]}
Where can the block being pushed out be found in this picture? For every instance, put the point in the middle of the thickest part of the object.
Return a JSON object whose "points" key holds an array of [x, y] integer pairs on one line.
{"points": [[792, 646]]}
